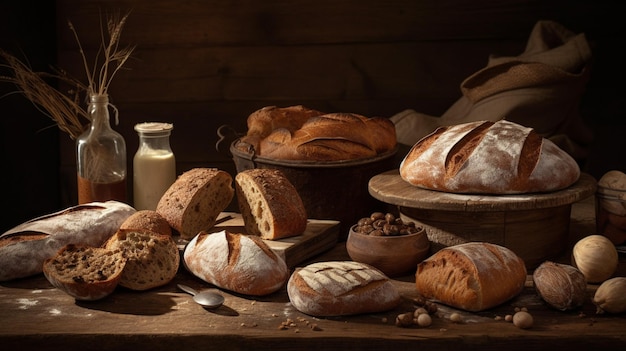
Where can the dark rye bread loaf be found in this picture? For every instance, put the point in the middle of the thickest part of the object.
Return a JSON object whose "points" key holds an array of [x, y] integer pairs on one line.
{"points": [[269, 204], [84, 272], [486, 157], [193, 202], [473, 276], [339, 288]]}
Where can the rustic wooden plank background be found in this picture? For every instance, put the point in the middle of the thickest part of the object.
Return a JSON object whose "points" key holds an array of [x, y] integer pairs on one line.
{"points": [[203, 64]]}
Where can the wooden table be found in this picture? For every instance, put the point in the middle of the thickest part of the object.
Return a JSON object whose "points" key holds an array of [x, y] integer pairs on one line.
{"points": [[35, 316]]}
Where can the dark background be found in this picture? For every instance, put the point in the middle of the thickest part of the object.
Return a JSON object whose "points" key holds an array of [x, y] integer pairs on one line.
{"points": [[203, 64]]}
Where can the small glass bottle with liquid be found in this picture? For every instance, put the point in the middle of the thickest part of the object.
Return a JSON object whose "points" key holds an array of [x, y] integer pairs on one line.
{"points": [[154, 164]]}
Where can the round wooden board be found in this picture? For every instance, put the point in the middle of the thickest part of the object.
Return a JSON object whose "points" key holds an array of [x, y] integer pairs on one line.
{"points": [[390, 188]]}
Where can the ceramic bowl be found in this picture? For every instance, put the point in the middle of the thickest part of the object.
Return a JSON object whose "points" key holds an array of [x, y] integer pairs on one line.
{"points": [[393, 255]]}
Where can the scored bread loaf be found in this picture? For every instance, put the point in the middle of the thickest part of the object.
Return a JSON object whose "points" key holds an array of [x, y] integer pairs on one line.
{"points": [[193, 202], [84, 272], [236, 262], [337, 288], [149, 220], [473, 276], [152, 259], [24, 248], [490, 158], [269, 204]]}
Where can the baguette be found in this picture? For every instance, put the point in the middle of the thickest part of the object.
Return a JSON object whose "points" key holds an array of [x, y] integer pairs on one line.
{"points": [[489, 158], [269, 204], [193, 202], [152, 259], [473, 276], [339, 288], [84, 272], [240, 263], [24, 248]]}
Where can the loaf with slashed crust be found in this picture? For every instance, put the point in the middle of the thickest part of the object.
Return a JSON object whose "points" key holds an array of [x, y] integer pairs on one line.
{"points": [[337, 288], [193, 202], [24, 248], [473, 276], [269, 204], [152, 259], [237, 262], [84, 272], [485, 157]]}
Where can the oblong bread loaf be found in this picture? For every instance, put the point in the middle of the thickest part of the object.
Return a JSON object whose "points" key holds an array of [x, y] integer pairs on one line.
{"points": [[472, 276], [193, 202], [488, 158], [241, 263], [269, 204], [24, 248], [337, 288]]}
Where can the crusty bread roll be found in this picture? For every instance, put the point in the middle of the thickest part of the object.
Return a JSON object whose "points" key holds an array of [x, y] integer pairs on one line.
{"points": [[269, 204], [299, 133], [152, 259], [85, 272], [473, 276], [24, 248], [337, 288], [236, 262], [193, 202], [488, 157], [149, 220]]}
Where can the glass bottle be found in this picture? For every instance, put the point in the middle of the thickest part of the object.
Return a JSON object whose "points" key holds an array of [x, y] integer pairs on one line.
{"points": [[100, 157], [154, 165]]}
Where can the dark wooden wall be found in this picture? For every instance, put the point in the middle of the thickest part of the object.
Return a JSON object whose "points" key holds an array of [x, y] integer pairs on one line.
{"points": [[202, 64]]}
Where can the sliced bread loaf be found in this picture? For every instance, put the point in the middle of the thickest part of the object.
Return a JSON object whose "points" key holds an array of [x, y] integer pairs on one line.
{"points": [[269, 204], [152, 259], [85, 272], [196, 198]]}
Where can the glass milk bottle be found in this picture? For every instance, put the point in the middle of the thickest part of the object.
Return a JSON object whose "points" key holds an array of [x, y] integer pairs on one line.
{"points": [[154, 165]]}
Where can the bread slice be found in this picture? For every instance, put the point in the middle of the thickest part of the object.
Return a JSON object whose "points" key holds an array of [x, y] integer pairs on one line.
{"points": [[196, 198], [149, 220], [85, 272], [269, 204], [152, 259]]}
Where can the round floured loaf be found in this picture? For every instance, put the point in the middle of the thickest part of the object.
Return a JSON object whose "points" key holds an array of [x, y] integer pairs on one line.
{"points": [[339, 288], [241, 263], [84, 272], [269, 204], [487, 157], [24, 248], [472, 276], [193, 202], [152, 259]]}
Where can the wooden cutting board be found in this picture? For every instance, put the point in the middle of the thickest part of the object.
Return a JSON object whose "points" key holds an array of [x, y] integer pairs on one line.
{"points": [[319, 236]]}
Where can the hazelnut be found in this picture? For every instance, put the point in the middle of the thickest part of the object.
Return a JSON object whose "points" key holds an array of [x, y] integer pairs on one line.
{"points": [[561, 286]]}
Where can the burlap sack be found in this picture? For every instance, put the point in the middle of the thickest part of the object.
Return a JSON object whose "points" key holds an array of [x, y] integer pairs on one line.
{"points": [[541, 88]]}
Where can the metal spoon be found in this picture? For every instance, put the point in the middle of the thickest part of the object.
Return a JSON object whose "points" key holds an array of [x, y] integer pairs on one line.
{"points": [[207, 299]]}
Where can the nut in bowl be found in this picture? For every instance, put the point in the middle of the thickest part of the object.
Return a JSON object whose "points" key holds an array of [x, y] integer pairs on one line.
{"points": [[388, 244]]}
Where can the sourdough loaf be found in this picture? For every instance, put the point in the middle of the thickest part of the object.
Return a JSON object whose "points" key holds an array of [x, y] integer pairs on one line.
{"points": [[148, 220], [193, 202], [472, 276], [339, 288], [236, 262], [85, 272], [24, 248], [488, 157], [152, 259], [269, 204], [299, 133]]}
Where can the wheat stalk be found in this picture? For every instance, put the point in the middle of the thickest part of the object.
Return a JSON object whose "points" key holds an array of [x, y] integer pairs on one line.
{"points": [[65, 108]]}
